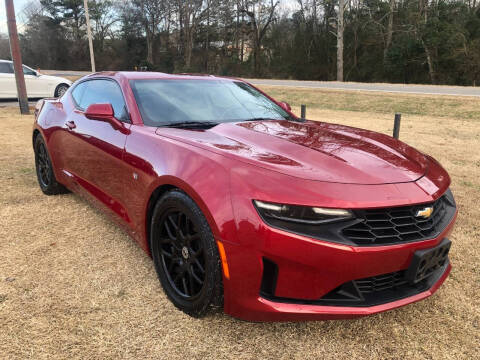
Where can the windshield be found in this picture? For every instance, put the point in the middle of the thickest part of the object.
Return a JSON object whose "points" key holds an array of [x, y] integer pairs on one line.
{"points": [[163, 102]]}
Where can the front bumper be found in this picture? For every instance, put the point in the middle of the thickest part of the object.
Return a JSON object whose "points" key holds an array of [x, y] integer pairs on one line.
{"points": [[274, 311], [308, 269]]}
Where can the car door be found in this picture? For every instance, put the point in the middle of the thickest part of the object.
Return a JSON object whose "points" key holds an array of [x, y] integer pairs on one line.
{"points": [[36, 88], [8, 87], [93, 149]]}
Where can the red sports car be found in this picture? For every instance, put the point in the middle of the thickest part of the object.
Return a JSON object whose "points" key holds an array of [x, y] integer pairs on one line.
{"points": [[243, 205]]}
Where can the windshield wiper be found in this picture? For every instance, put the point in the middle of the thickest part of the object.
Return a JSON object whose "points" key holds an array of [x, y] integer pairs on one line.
{"points": [[191, 124], [258, 119], [264, 118]]}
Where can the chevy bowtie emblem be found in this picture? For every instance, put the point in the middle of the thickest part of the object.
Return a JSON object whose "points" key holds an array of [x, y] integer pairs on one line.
{"points": [[425, 213]]}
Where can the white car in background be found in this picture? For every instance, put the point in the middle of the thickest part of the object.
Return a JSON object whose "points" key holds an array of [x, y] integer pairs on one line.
{"points": [[38, 85]]}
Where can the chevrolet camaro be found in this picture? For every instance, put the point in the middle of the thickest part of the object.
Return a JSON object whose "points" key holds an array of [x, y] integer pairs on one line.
{"points": [[244, 206]]}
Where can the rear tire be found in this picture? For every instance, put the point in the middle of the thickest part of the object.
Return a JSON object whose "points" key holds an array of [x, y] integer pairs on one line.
{"points": [[43, 166], [185, 255]]}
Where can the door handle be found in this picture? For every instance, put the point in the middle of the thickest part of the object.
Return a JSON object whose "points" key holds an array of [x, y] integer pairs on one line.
{"points": [[70, 125]]}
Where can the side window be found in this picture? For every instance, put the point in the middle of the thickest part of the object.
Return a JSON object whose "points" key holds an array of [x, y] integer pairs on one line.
{"points": [[27, 71], [78, 92], [6, 68], [104, 91]]}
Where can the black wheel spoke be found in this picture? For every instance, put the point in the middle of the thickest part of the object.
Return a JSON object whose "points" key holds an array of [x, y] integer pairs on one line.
{"points": [[190, 282], [179, 275], [197, 253], [193, 237], [167, 254], [171, 221], [165, 240], [181, 225], [194, 276], [170, 266], [199, 266], [169, 231], [185, 287], [185, 226]]}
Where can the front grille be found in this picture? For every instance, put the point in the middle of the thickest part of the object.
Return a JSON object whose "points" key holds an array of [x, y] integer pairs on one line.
{"points": [[399, 224], [379, 289], [381, 282], [374, 290]]}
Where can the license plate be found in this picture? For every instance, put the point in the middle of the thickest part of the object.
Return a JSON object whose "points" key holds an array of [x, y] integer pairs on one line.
{"points": [[427, 261]]}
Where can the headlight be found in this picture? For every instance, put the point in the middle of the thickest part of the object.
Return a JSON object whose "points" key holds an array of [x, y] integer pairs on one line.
{"points": [[281, 214]]}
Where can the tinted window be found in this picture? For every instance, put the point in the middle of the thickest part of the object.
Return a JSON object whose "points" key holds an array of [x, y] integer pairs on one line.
{"points": [[27, 71], [6, 68], [170, 101], [78, 91], [102, 92]]}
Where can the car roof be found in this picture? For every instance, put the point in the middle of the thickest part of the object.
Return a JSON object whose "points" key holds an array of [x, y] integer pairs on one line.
{"points": [[9, 61], [144, 75]]}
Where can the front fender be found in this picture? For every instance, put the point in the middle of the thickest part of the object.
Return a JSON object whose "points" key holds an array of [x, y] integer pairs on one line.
{"points": [[159, 161]]}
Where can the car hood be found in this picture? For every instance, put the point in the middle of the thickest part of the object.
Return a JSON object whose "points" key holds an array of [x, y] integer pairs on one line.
{"points": [[312, 150]]}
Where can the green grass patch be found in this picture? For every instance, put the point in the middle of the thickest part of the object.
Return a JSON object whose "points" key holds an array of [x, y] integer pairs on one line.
{"points": [[383, 103]]}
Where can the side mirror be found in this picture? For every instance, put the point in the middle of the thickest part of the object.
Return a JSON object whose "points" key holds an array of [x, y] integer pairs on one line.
{"points": [[104, 112], [285, 106]]}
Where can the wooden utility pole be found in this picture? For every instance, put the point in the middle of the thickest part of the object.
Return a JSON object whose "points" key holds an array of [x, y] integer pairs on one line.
{"points": [[16, 57], [89, 34]]}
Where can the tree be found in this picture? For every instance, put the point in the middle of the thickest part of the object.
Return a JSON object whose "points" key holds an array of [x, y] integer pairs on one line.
{"points": [[340, 31], [4, 47], [388, 41], [261, 14], [190, 14], [411, 41], [151, 13]]}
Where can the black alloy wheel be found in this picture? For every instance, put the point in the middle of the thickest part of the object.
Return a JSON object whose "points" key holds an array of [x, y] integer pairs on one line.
{"points": [[43, 166], [185, 254], [182, 253]]}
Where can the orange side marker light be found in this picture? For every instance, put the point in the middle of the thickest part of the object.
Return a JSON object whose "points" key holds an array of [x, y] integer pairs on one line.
{"points": [[223, 257]]}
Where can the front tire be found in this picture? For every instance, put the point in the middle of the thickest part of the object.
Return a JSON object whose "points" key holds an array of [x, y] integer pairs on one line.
{"points": [[44, 169], [185, 255], [60, 90]]}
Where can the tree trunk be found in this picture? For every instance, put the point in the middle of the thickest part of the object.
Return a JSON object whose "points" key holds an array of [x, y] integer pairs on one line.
{"points": [[188, 45], [428, 53], [340, 30], [388, 41], [431, 69], [237, 42], [243, 39], [149, 45], [188, 55], [207, 40], [256, 55]]}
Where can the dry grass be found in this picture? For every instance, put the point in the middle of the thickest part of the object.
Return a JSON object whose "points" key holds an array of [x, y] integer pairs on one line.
{"points": [[72, 285]]}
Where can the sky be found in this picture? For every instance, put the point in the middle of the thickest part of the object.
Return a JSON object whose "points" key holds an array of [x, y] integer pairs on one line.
{"points": [[18, 4]]}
